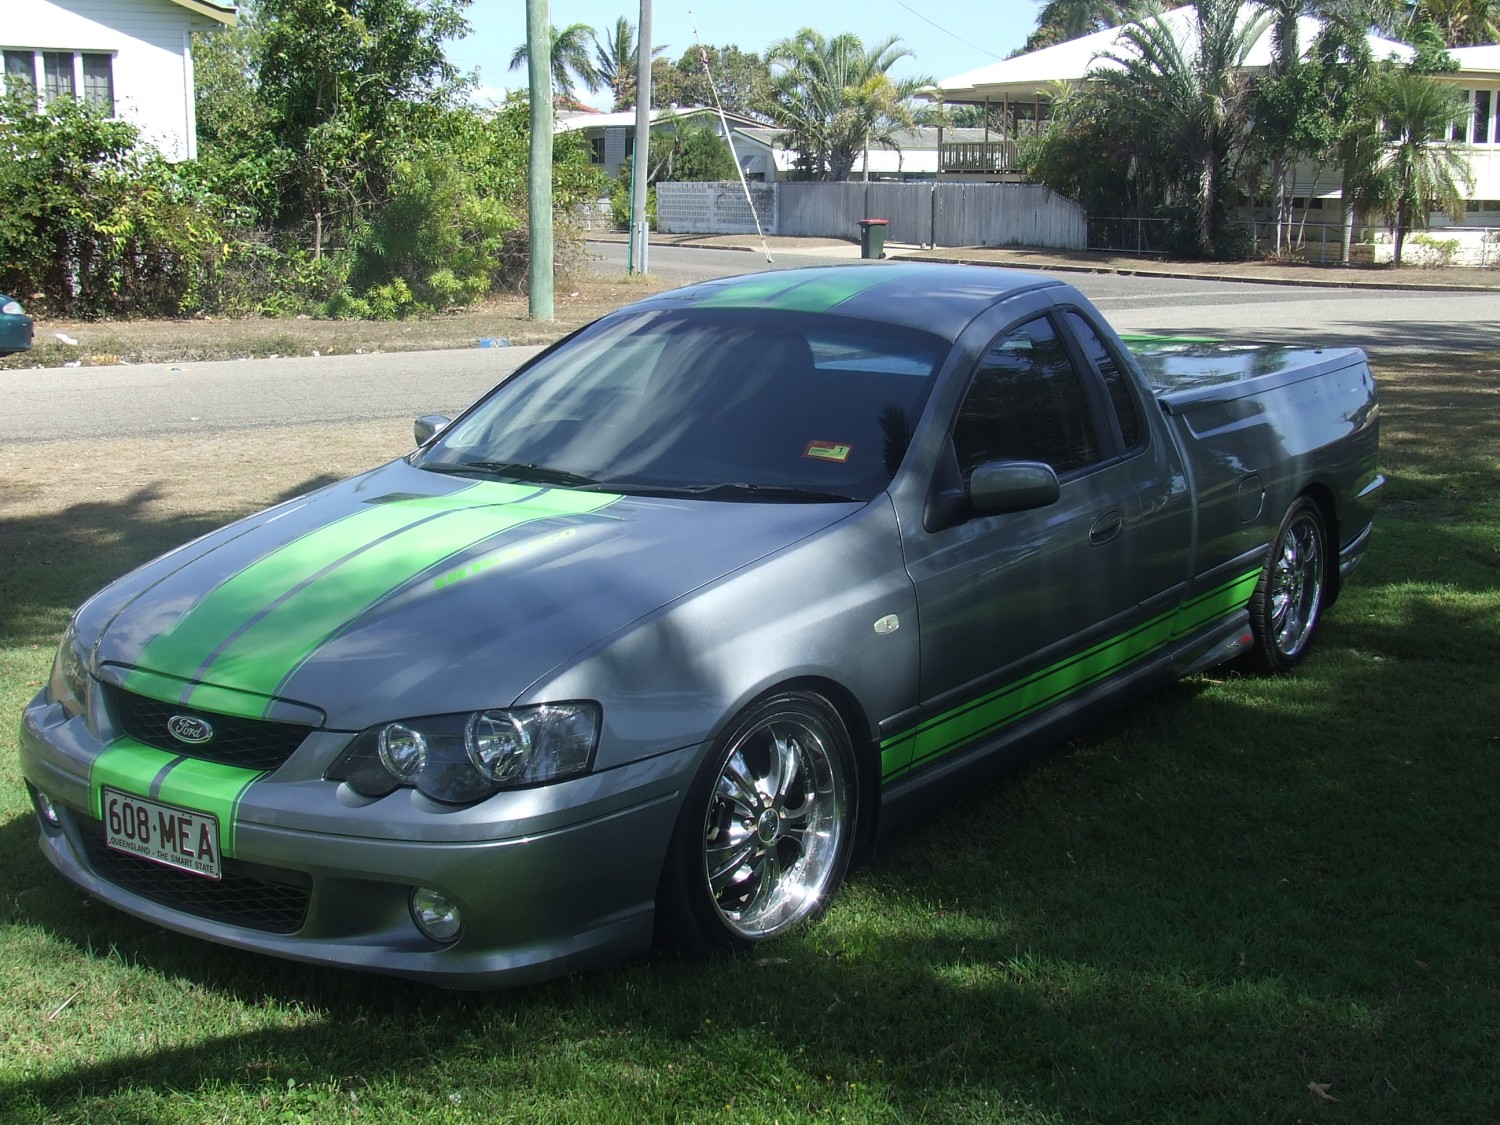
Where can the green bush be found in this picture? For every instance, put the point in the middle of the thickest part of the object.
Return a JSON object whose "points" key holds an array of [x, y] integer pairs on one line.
{"points": [[95, 223]]}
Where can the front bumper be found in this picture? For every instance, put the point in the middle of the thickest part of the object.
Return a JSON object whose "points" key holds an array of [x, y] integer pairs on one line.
{"points": [[566, 880]]}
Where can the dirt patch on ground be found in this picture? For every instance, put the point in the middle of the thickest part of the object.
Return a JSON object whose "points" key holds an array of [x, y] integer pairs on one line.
{"points": [[99, 343]]}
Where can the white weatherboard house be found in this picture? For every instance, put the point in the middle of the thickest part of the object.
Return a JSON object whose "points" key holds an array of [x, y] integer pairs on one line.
{"points": [[131, 58], [1021, 90]]}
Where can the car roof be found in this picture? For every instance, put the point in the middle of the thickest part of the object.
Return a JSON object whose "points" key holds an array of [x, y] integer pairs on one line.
{"points": [[932, 296]]}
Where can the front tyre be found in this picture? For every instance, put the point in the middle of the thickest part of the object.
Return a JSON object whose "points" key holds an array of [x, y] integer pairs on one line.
{"points": [[764, 836], [1288, 600]]}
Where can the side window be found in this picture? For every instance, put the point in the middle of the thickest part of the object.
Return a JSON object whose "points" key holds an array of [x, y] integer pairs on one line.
{"points": [[1026, 403], [1126, 411]]}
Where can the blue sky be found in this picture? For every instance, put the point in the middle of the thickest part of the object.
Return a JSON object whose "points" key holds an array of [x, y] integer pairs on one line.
{"points": [[948, 36]]}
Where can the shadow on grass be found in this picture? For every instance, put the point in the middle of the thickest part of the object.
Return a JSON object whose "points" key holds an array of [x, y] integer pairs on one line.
{"points": [[1239, 887], [56, 560]]}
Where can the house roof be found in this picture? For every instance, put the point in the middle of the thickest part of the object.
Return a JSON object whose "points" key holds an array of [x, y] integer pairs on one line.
{"points": [[1477, 59], [222, 12], [1073, 61], [916, 150], [574, 122]]}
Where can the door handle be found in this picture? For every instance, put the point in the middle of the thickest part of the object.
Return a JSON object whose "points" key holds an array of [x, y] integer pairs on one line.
{"points": [[1107, 527]]}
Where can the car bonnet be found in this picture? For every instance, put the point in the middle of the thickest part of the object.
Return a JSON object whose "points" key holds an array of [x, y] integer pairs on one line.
{"points": [[404, 593]]}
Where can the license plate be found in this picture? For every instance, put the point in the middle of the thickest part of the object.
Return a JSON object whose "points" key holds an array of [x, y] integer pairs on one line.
{"points": [[180, 838]]}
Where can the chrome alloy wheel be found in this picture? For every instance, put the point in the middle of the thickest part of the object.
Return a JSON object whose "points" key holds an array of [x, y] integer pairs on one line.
{"points": [[773, 839], [1296, 587]]}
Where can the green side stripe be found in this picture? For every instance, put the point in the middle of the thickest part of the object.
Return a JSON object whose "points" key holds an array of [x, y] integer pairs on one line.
{"points": [[1008, 704], [190, 783], [816, 296]]}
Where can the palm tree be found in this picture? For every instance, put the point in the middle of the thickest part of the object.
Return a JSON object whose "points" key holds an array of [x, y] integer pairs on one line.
{"points": [[615, 62], [1420, 171], [833, 97], [570, 60], [1061, 20], [1463, 23], [1187, 104]]}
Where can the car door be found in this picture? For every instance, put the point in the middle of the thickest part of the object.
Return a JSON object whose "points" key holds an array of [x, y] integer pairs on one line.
{"points": [[1019, 611]]}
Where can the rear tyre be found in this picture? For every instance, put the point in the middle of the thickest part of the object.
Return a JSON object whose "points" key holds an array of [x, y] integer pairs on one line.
{"points": [[1288, 601], [764, 835]]}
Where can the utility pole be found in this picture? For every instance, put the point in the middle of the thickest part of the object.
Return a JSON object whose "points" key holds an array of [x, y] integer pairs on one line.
{"points": [[539, 164], [642, 158]]}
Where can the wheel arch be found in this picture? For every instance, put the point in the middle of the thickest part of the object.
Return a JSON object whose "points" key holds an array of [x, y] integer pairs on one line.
{"points": [[866, 746], [1323, 496]]}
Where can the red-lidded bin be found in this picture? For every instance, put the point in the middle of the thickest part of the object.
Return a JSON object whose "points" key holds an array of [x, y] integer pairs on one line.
{"points": [[872, 237]]}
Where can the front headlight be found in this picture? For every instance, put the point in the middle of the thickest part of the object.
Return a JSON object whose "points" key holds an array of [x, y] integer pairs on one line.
{"points": [[69, 684], [467, 757], [12, 308]]}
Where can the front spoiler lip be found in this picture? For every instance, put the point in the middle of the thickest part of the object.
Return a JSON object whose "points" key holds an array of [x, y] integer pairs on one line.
{"points": [[398, 950]]}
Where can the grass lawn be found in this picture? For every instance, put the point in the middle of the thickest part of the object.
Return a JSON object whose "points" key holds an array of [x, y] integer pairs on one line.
{"points": [[1245, 900]]}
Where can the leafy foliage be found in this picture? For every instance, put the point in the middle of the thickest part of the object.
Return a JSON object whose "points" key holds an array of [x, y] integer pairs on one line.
{"points": [[571, 64], [742, 79], [833, 97], [92, 223], [339, 173]]}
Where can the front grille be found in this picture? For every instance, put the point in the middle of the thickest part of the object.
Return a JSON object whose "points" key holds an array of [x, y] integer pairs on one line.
{"points": [[252, 744], [271, 900]]}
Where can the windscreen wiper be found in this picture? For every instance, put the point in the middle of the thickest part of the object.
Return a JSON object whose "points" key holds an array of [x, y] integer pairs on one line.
{"points": [[737, 490], [521, 471]]}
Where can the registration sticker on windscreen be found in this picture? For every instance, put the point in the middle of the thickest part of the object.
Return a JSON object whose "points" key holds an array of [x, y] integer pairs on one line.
{"points": [[181, 838], [828, 451]]}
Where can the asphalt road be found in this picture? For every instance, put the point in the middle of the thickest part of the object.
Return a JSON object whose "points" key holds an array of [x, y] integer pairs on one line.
{"points": [[96, 403], [1378, 320]]}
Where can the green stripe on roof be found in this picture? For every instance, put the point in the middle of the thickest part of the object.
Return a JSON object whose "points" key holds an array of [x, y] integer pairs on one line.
{"points": [[816, 294]]}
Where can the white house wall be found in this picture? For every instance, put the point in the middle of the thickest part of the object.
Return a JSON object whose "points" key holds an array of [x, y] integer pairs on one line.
{"points": [[150, 43]]}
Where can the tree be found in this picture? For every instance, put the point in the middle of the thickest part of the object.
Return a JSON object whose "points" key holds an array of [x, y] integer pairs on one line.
{"points": [[743, 80], [1187, 107], [1061, 20], [1462, 23], [572, 65], [1420, 170], [616, 62], [345, 84], [834, 98]]}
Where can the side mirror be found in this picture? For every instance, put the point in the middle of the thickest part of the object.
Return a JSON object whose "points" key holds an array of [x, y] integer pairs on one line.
{"points": [[1012, 486], [428, 427]]}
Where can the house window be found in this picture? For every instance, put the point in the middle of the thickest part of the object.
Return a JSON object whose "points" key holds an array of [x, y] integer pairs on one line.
{"points": [[99, 83], [64, 74], [57, 74], [1481, 117], [596, 150], [20, 71], [1461, 126]]}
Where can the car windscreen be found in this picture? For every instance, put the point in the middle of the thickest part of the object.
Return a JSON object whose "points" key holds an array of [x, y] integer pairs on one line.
{"points": [[720, 403]]}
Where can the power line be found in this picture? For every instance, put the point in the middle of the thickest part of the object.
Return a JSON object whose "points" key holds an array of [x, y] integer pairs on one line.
{"points": [[945, 31]]}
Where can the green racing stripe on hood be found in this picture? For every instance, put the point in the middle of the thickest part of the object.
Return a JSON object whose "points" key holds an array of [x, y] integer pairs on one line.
{"points": [[189, 783], [253, 630]]}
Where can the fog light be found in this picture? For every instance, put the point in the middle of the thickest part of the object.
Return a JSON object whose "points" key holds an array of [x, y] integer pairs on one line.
{"points": [[47, 810], [435, 914]]}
